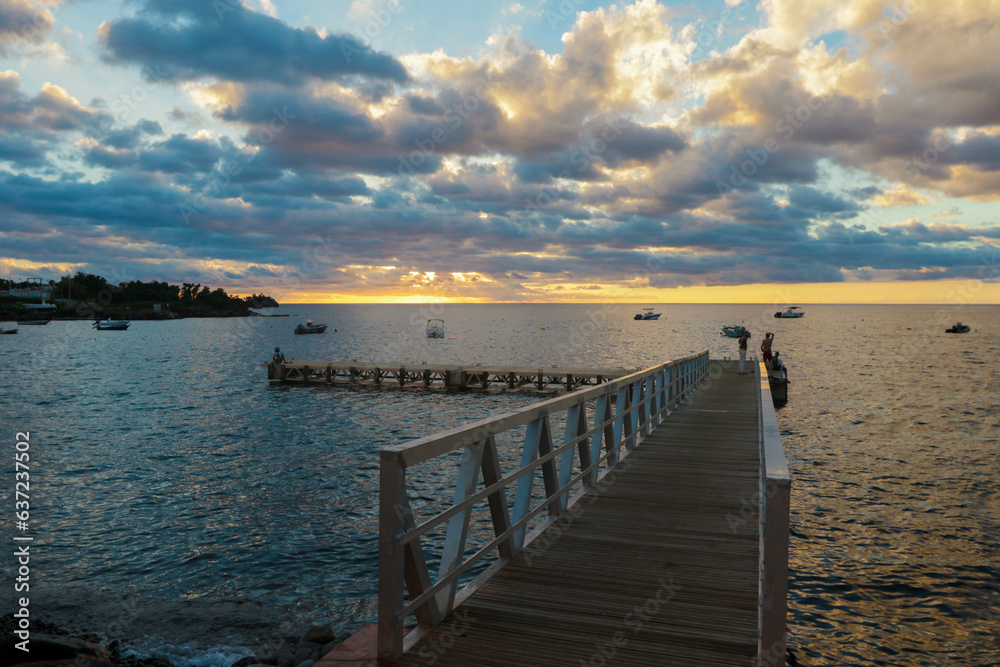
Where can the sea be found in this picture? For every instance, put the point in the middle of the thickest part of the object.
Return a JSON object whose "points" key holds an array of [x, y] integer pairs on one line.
{"points": [[181, 504]]}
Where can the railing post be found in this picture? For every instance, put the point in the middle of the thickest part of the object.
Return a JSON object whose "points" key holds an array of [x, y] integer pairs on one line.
{"points": [[576, 425], [392, 493], [458, 525], [602, 413], [499, 512]]}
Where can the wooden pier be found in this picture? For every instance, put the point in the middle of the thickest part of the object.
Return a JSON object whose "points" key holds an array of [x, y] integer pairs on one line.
{"points": [[659, 536], [439, 376]]}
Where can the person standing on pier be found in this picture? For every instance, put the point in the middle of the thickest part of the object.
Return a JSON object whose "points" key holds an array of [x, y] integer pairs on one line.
{"points": [[765, 347], [743, 350]]}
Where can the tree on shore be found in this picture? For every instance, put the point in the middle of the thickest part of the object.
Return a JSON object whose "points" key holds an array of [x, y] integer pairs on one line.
{"points": [[97, 294]]}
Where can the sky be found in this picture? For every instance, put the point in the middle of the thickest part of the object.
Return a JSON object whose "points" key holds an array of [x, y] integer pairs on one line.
{"points": [[564, 150]]}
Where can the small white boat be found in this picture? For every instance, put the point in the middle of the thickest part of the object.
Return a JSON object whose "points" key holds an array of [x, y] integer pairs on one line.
{"points": [[435, 328], [647, 314], [793, 311], [8, 331], [111, 325], [310, 328]]}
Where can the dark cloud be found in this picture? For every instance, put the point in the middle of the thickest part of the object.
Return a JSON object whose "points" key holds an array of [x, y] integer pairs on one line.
{"points": [[180, 154], [130, 137], [628, 141], [981, 150], [19, 20], [818, 202], [195, 38]]}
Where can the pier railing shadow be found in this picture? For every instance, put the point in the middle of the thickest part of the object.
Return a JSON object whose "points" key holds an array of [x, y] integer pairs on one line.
{"points": [[602, 426]]}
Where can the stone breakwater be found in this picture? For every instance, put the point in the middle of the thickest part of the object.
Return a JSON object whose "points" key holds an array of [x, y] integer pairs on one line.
{"points": [[53, 646]]}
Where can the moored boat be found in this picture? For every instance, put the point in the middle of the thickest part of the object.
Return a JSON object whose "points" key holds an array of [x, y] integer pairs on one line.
{"points": [[959, 328], [792, 311], [310, 328], [777, 379], [734, 331], [34, 322], [647, 314], [435, 328], [111, 325], [8, 331]]}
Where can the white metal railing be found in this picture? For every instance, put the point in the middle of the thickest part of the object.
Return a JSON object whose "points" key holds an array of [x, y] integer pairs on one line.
{"points": [[774, 504], [624, 412]]}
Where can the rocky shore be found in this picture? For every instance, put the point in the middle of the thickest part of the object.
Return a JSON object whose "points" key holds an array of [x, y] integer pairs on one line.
{"points": [[51, 646]]}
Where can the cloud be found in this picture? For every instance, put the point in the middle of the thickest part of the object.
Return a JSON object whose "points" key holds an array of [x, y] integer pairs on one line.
{"points": [[32, 127], [901, 195], [779, 159], [20, 20], [190, 39]]}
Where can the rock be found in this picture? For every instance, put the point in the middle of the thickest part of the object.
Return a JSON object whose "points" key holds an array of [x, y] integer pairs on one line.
{"points": [[246, 662], [307, 663], [287, 659], [154, 662], [46, 647], [74, 662], [312, 646], [329, 647], [302, 653], [319, 634]]}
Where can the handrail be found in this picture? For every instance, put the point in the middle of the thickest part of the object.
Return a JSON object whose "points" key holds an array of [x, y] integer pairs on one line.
{"points": [[775, 499], [622, 412]]}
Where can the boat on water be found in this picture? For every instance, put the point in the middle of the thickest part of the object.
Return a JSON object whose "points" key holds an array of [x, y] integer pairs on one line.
{"points": [[793, 311], [435, 328], [310, 328], [647, 314], [777, 379], [111, 325], [8, 331], [34, 322], [734, 331], [958, 328]]}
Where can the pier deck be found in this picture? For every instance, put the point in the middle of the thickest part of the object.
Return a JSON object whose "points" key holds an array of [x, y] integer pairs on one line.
{"points": [[659, 568], [660, 536]]}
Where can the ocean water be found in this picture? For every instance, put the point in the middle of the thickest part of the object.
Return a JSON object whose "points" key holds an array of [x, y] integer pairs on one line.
{"points": [[184, 506]]}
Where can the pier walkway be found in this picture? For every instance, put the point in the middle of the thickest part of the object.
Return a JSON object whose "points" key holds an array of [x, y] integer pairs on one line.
{"points": [[436, 376], [672, 551]]}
